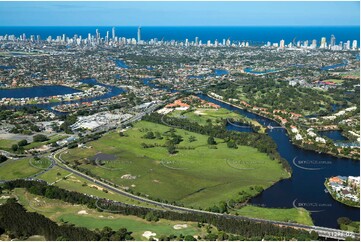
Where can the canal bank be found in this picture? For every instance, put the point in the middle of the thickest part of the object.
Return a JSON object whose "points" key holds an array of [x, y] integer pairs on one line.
{"points": [[305, 189]]}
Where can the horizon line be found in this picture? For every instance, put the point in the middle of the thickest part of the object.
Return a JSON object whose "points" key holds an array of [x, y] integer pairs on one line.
{"points": [[180, 26]]}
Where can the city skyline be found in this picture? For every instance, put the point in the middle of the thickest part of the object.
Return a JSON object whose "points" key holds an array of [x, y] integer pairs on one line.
{"points": [[179, 13]]}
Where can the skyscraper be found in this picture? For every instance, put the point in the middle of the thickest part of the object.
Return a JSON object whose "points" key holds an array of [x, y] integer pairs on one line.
{"points": [[333, 41], [354, 44], [282, 44], [113, 33], [139, 34], [323, 43]]}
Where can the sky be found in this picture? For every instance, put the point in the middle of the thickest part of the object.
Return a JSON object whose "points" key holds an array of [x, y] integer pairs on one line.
{"points": [[180, 13]]}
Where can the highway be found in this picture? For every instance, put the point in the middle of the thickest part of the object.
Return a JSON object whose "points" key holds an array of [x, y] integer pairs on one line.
{"points": [[322, 231]]}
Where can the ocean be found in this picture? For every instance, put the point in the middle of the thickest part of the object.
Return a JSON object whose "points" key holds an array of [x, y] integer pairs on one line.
{"points": [[256, 35]]}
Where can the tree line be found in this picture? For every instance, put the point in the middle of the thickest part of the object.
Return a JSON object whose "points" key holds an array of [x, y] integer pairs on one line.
{"points": [[232, 225]]}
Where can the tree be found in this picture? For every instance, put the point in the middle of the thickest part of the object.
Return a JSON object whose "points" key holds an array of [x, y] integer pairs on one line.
{"points": [[231, 144], [3, 158], [149, 135], [192, 139], [23, 142], [189, 238], [211, 140], [14, 147], [171, 148], [343, 220], [40, 138]]}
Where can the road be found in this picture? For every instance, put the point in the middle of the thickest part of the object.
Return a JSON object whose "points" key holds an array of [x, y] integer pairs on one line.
{"points": [[322, 231]]}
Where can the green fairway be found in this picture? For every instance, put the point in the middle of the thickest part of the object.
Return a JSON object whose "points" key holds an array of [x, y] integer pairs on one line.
{"points": [[80, 215], [22, 168], [5, 144], [203, 116], [300, 215], [197, 175], [66, 180]]}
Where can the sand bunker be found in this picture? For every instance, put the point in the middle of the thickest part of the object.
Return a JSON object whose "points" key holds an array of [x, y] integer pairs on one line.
{"points": [[148, 234], [180, 226], [199, 112], [128, 177], [82, 212]]}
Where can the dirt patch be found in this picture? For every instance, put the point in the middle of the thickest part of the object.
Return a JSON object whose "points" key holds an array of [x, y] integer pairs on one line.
{"points": [[180, 226]]}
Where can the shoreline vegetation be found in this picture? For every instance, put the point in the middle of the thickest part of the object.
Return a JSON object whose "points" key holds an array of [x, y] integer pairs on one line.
{"points": [[288, 131]]}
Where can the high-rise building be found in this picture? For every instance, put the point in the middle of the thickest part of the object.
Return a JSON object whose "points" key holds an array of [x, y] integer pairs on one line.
{"points": [[314, 43], [139, 34], [305, 43], [196, 41], [113, 33], [354, 44], [323, 43], [282, 44], [97, 35], [348, 45], [333, 41]]}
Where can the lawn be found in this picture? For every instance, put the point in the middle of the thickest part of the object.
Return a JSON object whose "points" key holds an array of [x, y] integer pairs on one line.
{"points": [[297, 215], [203, 116], [80, 215], [197, 176], [22, 168], [5, 144], [66, 180]]}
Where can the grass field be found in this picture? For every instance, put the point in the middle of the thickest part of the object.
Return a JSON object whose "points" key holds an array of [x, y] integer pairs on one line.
{"points": [[66, 180], [80, 215], [203, 116], [22, 168], [197, 177], [5, 144], [301, 215]]}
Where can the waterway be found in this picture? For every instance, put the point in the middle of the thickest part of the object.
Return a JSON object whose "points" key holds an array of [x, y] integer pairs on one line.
{"points": [[44, 91], [310, 169], [38, 91]]}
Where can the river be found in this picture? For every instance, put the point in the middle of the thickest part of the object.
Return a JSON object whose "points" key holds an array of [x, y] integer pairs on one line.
{"points": [[306, 186]]}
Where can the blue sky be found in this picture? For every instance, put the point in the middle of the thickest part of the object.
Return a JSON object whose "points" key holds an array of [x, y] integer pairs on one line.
{"points": [[179, 13]]}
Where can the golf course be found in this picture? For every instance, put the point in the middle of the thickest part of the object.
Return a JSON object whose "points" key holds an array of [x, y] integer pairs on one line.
{"points": [[198, 175]]}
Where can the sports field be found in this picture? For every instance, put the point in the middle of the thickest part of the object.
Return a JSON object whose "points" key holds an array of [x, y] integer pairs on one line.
{"points": [[198, 175]]}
